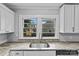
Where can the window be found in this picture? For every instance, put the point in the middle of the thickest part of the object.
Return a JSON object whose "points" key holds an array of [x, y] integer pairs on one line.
{"points": [[48, 27], [29, 29], [39, 27]]}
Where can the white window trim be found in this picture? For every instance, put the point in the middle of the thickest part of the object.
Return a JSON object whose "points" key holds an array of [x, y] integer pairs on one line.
{"points": [[38, 16]]}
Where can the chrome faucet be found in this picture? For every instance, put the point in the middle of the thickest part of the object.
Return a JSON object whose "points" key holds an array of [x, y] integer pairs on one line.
{"points": [[40, 36]]}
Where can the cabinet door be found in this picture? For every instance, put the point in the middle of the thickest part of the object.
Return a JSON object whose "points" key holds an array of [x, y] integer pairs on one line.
{"points": [[7, 23], [62, 19], [77, 18], [16, 53], [69, 18], [11, 22], [6, 20], [2, 20], [39, 53]]}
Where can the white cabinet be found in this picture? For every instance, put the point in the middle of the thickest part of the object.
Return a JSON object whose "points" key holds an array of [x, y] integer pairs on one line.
{"points": [[12, 21], [2, 20], [9, 22], [16, 53], [32, 53], [39, 53], [61, 15], [69, 22], [38, 26], [6, 19], [69, 19], [77, 18]]}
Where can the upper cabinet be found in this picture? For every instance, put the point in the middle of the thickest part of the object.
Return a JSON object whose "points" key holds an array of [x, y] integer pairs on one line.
{"points": [[76, 18], [69, 18], [6, 19], [9, 22], [2, 20]]}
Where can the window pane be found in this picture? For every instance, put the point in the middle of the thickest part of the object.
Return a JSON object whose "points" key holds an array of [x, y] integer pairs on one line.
{"points": [[48, 27], [29, 29]]}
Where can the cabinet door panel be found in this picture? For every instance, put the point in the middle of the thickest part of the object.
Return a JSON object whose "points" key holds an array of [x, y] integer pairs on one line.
{"points": [[62, 19], [16, 53], [39, 53], [2, 18], [76, 18], [5, 19], [69, 18], [11, 22], [7, 23]]}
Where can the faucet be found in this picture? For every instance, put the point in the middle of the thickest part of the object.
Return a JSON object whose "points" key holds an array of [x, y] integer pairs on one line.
{"points": [[40, 41], [40, 36]]}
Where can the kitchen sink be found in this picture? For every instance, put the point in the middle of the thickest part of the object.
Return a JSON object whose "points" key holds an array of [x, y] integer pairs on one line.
{"points": [[39, 45]]}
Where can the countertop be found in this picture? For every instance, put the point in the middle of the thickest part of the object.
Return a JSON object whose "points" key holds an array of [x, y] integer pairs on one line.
{"points": [[5, 48]]}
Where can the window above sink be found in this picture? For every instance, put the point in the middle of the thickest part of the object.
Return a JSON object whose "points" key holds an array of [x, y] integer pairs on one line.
{"points": [[38, 26]]}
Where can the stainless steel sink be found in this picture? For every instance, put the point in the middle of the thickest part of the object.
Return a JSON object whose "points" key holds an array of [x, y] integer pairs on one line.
{"points": [[39, 45]]}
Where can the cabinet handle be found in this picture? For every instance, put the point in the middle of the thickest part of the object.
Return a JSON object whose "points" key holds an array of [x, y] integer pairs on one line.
{"points": [[73, 29], [39, 35], [17, 53]]}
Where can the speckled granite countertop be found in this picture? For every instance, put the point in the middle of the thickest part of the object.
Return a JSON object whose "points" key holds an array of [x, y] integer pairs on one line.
{"points": [[5, 48]]}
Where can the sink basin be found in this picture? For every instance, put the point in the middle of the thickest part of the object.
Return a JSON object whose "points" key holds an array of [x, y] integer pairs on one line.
{"points": [[39, 45]]}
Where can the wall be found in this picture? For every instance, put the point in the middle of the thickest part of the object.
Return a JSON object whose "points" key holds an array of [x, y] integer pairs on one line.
{"points": [[15, 35], [3, 38]]}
